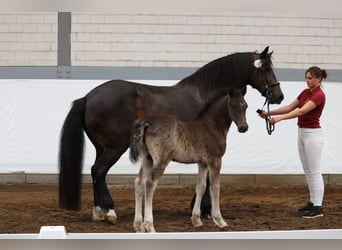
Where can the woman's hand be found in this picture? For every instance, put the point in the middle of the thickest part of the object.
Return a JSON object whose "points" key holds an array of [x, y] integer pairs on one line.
{"points": [[275, 119], [263, 114]]}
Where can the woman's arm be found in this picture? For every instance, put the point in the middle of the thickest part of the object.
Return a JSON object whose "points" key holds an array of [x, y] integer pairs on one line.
{"points": [[285, 109], [281, 110], [310, 105]]}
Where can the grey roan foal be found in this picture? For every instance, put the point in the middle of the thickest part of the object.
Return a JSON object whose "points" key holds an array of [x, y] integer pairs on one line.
{"points": [[165, 138]]}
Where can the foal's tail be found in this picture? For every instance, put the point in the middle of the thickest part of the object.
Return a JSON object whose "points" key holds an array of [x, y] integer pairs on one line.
{"points": [[138, 146], [71, 157]]}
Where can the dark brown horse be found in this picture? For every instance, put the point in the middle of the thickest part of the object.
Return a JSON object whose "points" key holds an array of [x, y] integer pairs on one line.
{"points": [[164, 138], [106, 114]]}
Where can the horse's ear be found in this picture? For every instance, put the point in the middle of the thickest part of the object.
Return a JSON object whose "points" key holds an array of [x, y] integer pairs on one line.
{"points": [[258, 63], [264, 53]]}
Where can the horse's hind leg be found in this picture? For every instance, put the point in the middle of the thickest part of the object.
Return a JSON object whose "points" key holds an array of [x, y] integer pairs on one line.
{"points": [[200, 188], [103, 202], [214, 173]]}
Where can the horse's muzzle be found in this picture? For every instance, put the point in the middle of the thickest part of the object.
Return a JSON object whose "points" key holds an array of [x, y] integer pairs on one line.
{"points": [[275, 99], [279, 99]]}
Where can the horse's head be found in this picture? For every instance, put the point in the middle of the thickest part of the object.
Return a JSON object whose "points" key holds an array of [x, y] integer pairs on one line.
{"points": [[264, 79], [237, 106]]}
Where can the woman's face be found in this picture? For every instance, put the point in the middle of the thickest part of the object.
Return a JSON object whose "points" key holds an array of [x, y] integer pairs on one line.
{"points": [[312, 81]]}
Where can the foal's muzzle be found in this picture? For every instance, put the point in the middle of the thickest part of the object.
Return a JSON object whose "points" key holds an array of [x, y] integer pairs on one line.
{"points": [[243, 128]]}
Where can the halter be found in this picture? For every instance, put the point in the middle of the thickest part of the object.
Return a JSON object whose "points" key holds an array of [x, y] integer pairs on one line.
{"points": [[269, 127]]}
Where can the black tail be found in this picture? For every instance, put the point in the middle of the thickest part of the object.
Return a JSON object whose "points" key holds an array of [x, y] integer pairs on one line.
{"points": [[137, 145], [71, 157]]}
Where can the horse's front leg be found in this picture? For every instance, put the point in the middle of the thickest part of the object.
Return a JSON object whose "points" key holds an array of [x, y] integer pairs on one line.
{"points": [[200, 188], [214, 173]]}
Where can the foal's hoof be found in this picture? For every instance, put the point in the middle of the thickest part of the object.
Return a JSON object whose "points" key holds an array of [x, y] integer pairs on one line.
{"points": [[139, 226], [149, 227], [196, 221], [220, 222]]}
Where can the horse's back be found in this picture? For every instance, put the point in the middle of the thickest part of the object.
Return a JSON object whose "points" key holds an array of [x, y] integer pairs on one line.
{"points": [[110, 91], [112, 108], [123, 96]]}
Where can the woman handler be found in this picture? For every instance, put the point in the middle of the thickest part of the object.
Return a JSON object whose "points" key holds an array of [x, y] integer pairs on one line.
{"points": [[308, 107]]}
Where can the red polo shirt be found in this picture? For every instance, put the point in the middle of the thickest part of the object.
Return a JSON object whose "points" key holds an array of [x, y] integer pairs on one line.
{"points": [[311, 119]]}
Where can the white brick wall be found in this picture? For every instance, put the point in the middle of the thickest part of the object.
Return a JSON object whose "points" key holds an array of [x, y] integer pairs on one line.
{"points": [[28, 39], [190, 40], [173, 40]]}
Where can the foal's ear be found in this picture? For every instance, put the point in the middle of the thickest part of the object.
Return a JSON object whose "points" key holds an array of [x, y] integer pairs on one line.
{"points": [[233, 92], [237, 92]]}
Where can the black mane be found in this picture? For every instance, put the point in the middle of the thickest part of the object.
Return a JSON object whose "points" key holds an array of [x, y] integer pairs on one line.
{"points": [[234, 70]]}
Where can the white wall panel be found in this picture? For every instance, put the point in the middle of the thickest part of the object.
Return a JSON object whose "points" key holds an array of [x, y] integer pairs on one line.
{"points": [[32, 113]]}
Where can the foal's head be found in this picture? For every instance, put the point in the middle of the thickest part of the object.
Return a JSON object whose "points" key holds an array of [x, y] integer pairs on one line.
{"points": [[237, 106]]}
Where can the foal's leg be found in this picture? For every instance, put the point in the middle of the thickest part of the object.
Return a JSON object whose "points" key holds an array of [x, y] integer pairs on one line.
{"points": [[214, 173], [139, 192], [150, 186], [206, 201], [200, 188]]}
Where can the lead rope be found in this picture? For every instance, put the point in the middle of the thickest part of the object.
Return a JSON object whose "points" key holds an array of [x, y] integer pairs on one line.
{"points": [[269, 127]]}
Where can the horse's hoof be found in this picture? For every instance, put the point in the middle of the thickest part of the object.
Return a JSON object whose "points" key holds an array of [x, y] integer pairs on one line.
{"points": [[101, 215], [111, 216], [97, 214]]}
